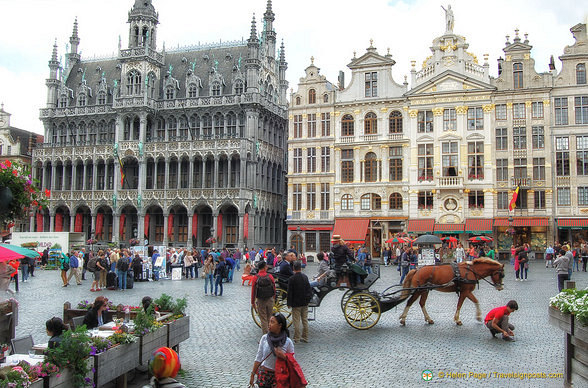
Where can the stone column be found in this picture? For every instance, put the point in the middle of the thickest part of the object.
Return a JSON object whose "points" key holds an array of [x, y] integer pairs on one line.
{"points": [[93, 226], [191, 175], [229, 172], [52, 222], [165, 241], [214, 227], [203, 174], [215, 182], [53, 177], [240, 231], [140, 227], [156, 173], [115, 227], [74, 176], [142, 127], [32, 222], [85, 177], [94, 176], [166, 182], [189, 242], [72, 222], [117, 129]]}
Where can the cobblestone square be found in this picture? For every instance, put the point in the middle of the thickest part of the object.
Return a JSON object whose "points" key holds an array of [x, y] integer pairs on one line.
{"points": [[224, 339]]}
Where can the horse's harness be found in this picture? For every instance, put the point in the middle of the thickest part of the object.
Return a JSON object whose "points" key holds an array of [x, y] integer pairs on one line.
{"points": [[458, 280]]}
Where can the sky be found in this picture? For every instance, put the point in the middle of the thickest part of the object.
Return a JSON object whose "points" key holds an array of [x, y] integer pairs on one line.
{"points": [[328, 30]]}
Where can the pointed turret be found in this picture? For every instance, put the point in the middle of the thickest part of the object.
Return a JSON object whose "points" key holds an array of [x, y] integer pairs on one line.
{"points": [[143, 21], [253, 64], [253, 35], [268, 30], [282, 70], [73, 57], [52, 82], [54, 62]]}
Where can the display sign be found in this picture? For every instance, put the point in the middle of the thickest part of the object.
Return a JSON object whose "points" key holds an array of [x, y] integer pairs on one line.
{"points": [[177, 273], [427, 257]]}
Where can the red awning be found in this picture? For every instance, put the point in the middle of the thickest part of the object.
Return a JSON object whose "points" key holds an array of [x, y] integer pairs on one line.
{"points": [[311, 227], [572, 223], [448, 228], [421, 226], [522, 221], [478, 225], [352, 230]]}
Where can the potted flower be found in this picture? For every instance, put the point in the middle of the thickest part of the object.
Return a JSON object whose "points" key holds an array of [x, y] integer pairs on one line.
{"points": [[133, 242], [18, 193], [91, 241], [71, 356], [14, 376]]}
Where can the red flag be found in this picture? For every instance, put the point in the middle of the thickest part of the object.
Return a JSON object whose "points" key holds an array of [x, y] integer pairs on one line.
{"points": [[40, 220], [219, 226], [78, 223], [195, 225], [246, 225], [170, 225], [146, 227], [513, 201], [99, 224], [59, 222], [122, 225]]}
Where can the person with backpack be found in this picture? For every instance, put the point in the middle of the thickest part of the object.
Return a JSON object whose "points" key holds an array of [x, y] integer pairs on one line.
{"points": [[104, 267], [230, 263], [122, 267], [96, 268], [263, 292], [220, 272], [74, 268], [299, 296]]}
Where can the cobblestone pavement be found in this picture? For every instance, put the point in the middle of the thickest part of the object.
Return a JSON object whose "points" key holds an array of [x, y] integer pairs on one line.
{"points": [[224, 339]]}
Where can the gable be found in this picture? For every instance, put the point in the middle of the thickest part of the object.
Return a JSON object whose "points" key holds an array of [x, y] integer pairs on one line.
{"points": [[450, 81], [370, 59]]}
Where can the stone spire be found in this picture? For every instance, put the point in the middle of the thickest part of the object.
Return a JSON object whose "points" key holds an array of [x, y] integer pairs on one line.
{"points": [[54, 62], [253, 35], [282, 53], [269, 13], [74, 41]]}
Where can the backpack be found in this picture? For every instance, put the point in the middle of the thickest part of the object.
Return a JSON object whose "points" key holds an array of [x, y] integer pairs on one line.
{"points": [[104, 263], [264, 287], [225, 271], [92, 264], [123, 264]]}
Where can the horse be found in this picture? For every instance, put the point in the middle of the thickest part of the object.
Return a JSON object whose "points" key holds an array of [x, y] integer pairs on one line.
{"points": [[443, 278]]}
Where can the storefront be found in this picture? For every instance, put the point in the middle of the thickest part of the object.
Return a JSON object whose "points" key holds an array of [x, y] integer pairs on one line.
{"points": [[310, 239], [572, 230], [520, 230]]}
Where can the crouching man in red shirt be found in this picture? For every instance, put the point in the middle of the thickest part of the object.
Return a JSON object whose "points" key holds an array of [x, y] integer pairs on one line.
{"points": [[497, 320]]}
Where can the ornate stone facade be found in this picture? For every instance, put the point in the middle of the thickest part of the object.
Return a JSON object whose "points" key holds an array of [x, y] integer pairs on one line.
{"points": [[182, 147]]}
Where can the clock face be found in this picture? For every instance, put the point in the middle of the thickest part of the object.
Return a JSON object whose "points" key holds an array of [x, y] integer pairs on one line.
{"points": [[450, 204]]}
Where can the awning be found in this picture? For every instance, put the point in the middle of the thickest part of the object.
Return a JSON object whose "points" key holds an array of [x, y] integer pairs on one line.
{"points": [[572, 223], [352, 230], [478, 225], [421, 226], [522, 221], [448, 228], [311, 227]]}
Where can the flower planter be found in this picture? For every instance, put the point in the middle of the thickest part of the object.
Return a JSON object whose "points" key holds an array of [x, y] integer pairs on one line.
{"points": [[39, 383], [564, 321], [178, 331], [115, 362], [150, 342], [61, 380], [581, 333]]}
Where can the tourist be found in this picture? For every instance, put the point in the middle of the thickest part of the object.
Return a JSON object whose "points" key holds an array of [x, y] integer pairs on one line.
{"points": [[404, 264], [94, 268], [147, 302], [122, 269], [156, 264], [272, 345], [549, 253], [562, 265], [299, 296], [103, 268], [219, 271], [24, 269], [97, 315], [497, 320], [64, 267], [137, 265], [189, 265], [208, 273], [323, 271], [523, 264], [263, 291], [576, 254], [584, 255], [74, 268], [231, 264], [237, 257], [55, 328]]}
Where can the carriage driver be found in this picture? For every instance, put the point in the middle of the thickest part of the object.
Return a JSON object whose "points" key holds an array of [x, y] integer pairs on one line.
{"points": [[497, 320]]}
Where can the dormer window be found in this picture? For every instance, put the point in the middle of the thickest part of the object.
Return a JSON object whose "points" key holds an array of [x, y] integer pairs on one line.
{"points": [[216, 89], [517, 72], [101, 98], [133, 83], [297, 100], [371, 84], [312, 96], [82, 100], [170, 93], [581, 74], [192, 91], [325, 98], [63, 101], [239, 87]]}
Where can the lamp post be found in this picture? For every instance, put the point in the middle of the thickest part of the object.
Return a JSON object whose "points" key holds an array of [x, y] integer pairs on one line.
{"points": [[92, 234], [299, 240]]}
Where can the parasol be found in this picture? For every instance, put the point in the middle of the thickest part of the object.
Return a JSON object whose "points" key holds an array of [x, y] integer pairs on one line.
{"points": [[396, 240], [8, 255], [480, 239], [428, 239], [26, 252], [451, 240]]}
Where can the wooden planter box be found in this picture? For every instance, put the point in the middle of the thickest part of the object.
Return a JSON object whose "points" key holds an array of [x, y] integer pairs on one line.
{"points": [[39, 383], [564, 321], [115, 362], [151, 342], [69, 313], [8, 321], [178, 331], [61, 380]]}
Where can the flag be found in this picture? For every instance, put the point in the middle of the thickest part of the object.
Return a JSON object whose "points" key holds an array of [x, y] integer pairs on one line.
{"points": [[513, 201], [122, 173]]}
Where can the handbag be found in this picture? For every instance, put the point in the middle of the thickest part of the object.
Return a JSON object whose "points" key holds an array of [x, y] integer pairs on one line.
{"points": [[198, 264], [65, 265]]}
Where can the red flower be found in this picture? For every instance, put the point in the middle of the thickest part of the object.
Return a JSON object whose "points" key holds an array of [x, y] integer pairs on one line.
{"points": [[14, 172], [35, 203], [10, 225], [47, 193], [8, 163]]}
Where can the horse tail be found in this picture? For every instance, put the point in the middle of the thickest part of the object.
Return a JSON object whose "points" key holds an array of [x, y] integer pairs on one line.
{"points": [[406, 284]]}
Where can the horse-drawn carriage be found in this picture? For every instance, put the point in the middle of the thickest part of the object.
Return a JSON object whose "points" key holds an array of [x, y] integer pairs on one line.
{"points": [[362, 308]]}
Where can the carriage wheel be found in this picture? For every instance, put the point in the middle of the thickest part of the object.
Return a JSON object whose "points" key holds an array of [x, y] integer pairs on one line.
{"points": [[280, 306], [345, 298], [362, 311]]}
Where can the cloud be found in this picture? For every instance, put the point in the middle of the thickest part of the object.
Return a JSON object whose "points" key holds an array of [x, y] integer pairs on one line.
{"points": [[329, 30]]}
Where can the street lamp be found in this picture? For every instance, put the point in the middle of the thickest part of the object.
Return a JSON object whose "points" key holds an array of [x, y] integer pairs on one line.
{"points": [[299, 240]]}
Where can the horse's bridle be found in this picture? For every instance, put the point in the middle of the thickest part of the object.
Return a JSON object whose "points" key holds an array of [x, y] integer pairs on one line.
{"points": [[478, 276]]}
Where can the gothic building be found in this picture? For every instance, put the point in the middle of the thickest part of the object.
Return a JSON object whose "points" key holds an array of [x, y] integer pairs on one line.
{"points": [[181, 147]]}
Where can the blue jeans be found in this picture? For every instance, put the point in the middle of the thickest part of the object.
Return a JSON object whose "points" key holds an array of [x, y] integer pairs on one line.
{"points": [[208, 279], [238, 264], [156, 273], [190, 270], [231, 275], [218, 281], [122, 279], [368, 268], [404, 273], [25, 271]]}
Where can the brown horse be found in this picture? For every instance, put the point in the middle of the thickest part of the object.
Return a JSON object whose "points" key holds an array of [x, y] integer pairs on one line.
{"points": [[442, 278]]}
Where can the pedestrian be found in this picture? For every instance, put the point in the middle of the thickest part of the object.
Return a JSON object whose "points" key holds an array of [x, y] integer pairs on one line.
{"points": [[472, 254], [137, 265], [45, 257], [404, 264], [231, 264], [576, 253], [156, 264], [323, 271], [208, 274], [237, 257], [569, 254], [122, 268], [93, 267], [549, 253], [32, 264], [104, 267], [584, 255], [275, 344], [513, 254], [189, 265], [263, 292], [299, 296], [517, 265], [562, 266], [497, 320], [24, 269], [491, 253], [74, 268], [219, 272], [64, 267]]}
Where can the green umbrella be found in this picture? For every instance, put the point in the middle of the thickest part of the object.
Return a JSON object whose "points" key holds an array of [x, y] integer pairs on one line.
{"points": [[20, 250]]}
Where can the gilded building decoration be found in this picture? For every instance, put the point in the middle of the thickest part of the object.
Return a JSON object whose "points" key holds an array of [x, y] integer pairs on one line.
{"points": [[438, 111], [461, 110]]}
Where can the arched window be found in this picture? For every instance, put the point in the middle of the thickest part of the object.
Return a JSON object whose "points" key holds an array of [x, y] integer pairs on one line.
{"points": [[347, 124], [346, 202], [63, 101], [171, 126], [170, 93], [82, 134], [239, 87], [192, 91], [82, 99], [325, 98], [215, 89], [219, 126], [133, 83], [151, 85], [231, 125], [298, 100], [370, 124], [395, 122], [207, 126], [371, 167], [395, 201], [312, 96], [581, 73], [517, 70], [371, 201], [101, 98]]}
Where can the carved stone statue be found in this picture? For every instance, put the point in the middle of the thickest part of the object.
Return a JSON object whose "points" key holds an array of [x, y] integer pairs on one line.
{"points": [[449, 19]]}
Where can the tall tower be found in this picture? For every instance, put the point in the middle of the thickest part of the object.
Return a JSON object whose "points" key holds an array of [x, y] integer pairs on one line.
{"points": [[253, 62], [143, 22], [283, 80], [268, 30], [52, 82]]}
